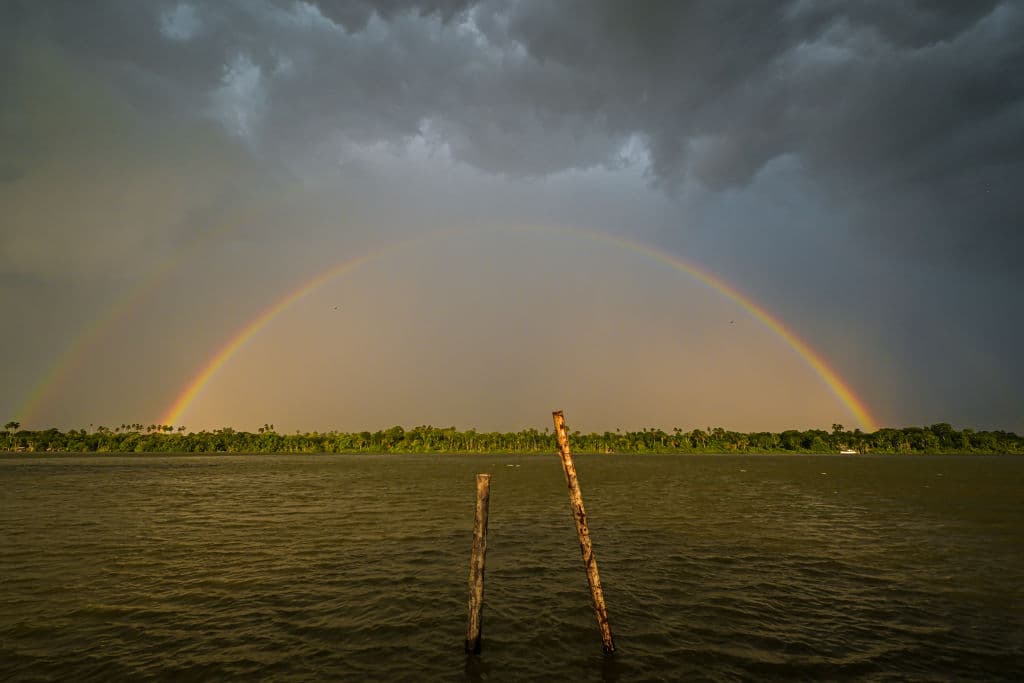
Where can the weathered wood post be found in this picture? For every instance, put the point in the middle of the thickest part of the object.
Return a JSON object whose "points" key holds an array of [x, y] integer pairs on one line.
{"points": [[583, 531], [474, 614]]}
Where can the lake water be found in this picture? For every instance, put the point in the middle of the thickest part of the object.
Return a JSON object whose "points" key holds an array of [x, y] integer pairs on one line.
{"points": [[355, 568]]}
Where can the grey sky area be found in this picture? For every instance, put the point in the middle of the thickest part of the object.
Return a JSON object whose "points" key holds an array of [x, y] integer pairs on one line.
{"points": [[169, 171]]}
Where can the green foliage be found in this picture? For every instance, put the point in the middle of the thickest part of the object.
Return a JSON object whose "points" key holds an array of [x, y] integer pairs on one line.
{"points": [[137, 438]]}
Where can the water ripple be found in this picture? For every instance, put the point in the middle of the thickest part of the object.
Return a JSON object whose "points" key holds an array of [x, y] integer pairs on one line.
{"points": [[354, 567]]}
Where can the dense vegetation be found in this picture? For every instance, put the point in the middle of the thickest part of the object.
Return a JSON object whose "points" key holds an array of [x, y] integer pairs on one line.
{"points": [[137, 438]]}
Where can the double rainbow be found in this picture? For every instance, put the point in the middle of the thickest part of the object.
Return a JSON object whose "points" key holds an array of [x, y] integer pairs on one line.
{"points": [[131, 299]]}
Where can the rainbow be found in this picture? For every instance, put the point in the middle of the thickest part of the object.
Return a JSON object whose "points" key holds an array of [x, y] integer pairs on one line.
{"points": [[75, 353], [217, 361], [828, 375]]}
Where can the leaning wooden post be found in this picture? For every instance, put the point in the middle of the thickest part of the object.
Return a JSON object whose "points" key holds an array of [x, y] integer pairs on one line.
{"points": [[474, 615], [583, 531]]}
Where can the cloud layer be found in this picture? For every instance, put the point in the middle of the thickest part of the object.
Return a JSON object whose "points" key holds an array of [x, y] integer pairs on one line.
{"points": [[882, 138]]}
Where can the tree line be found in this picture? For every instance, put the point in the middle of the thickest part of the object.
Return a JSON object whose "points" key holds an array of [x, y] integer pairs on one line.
{"points": [[153, 438]]}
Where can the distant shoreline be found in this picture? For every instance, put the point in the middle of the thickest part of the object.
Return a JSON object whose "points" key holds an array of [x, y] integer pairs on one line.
{"points": [[938, 439], [57, 455]]}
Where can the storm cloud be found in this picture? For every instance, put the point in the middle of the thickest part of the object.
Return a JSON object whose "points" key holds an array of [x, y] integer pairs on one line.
{"points": [[881, 133], [899, 106]]}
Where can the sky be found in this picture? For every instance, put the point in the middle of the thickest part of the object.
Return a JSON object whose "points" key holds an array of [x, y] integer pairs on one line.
{"points": [[344, 214]]}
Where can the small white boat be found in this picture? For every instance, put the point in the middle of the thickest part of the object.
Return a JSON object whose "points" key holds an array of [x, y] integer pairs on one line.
{"points": [[849, 451]]}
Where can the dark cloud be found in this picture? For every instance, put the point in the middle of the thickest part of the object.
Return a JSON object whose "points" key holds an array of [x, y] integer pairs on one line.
{"points": [[354, 14], [899, 123], [716, 89], [886, 102], [908, 112]]}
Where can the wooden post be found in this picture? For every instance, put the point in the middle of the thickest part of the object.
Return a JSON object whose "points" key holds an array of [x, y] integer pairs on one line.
{"points": [[583, 531], [474, 615]]}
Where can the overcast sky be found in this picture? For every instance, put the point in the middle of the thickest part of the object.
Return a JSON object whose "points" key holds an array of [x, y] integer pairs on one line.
{"points": [[169, 170]]}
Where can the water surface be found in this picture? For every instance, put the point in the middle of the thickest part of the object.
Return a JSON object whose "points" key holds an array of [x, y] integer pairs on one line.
{"points": [[354, 568]]}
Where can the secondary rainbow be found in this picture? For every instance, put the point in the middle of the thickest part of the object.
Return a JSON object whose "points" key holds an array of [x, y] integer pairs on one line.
{"points": [[828, 375], [217, 361], [76, 352]]}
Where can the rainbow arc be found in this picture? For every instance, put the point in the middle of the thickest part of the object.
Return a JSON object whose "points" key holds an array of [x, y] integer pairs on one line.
{"points": [[831, 378]]}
